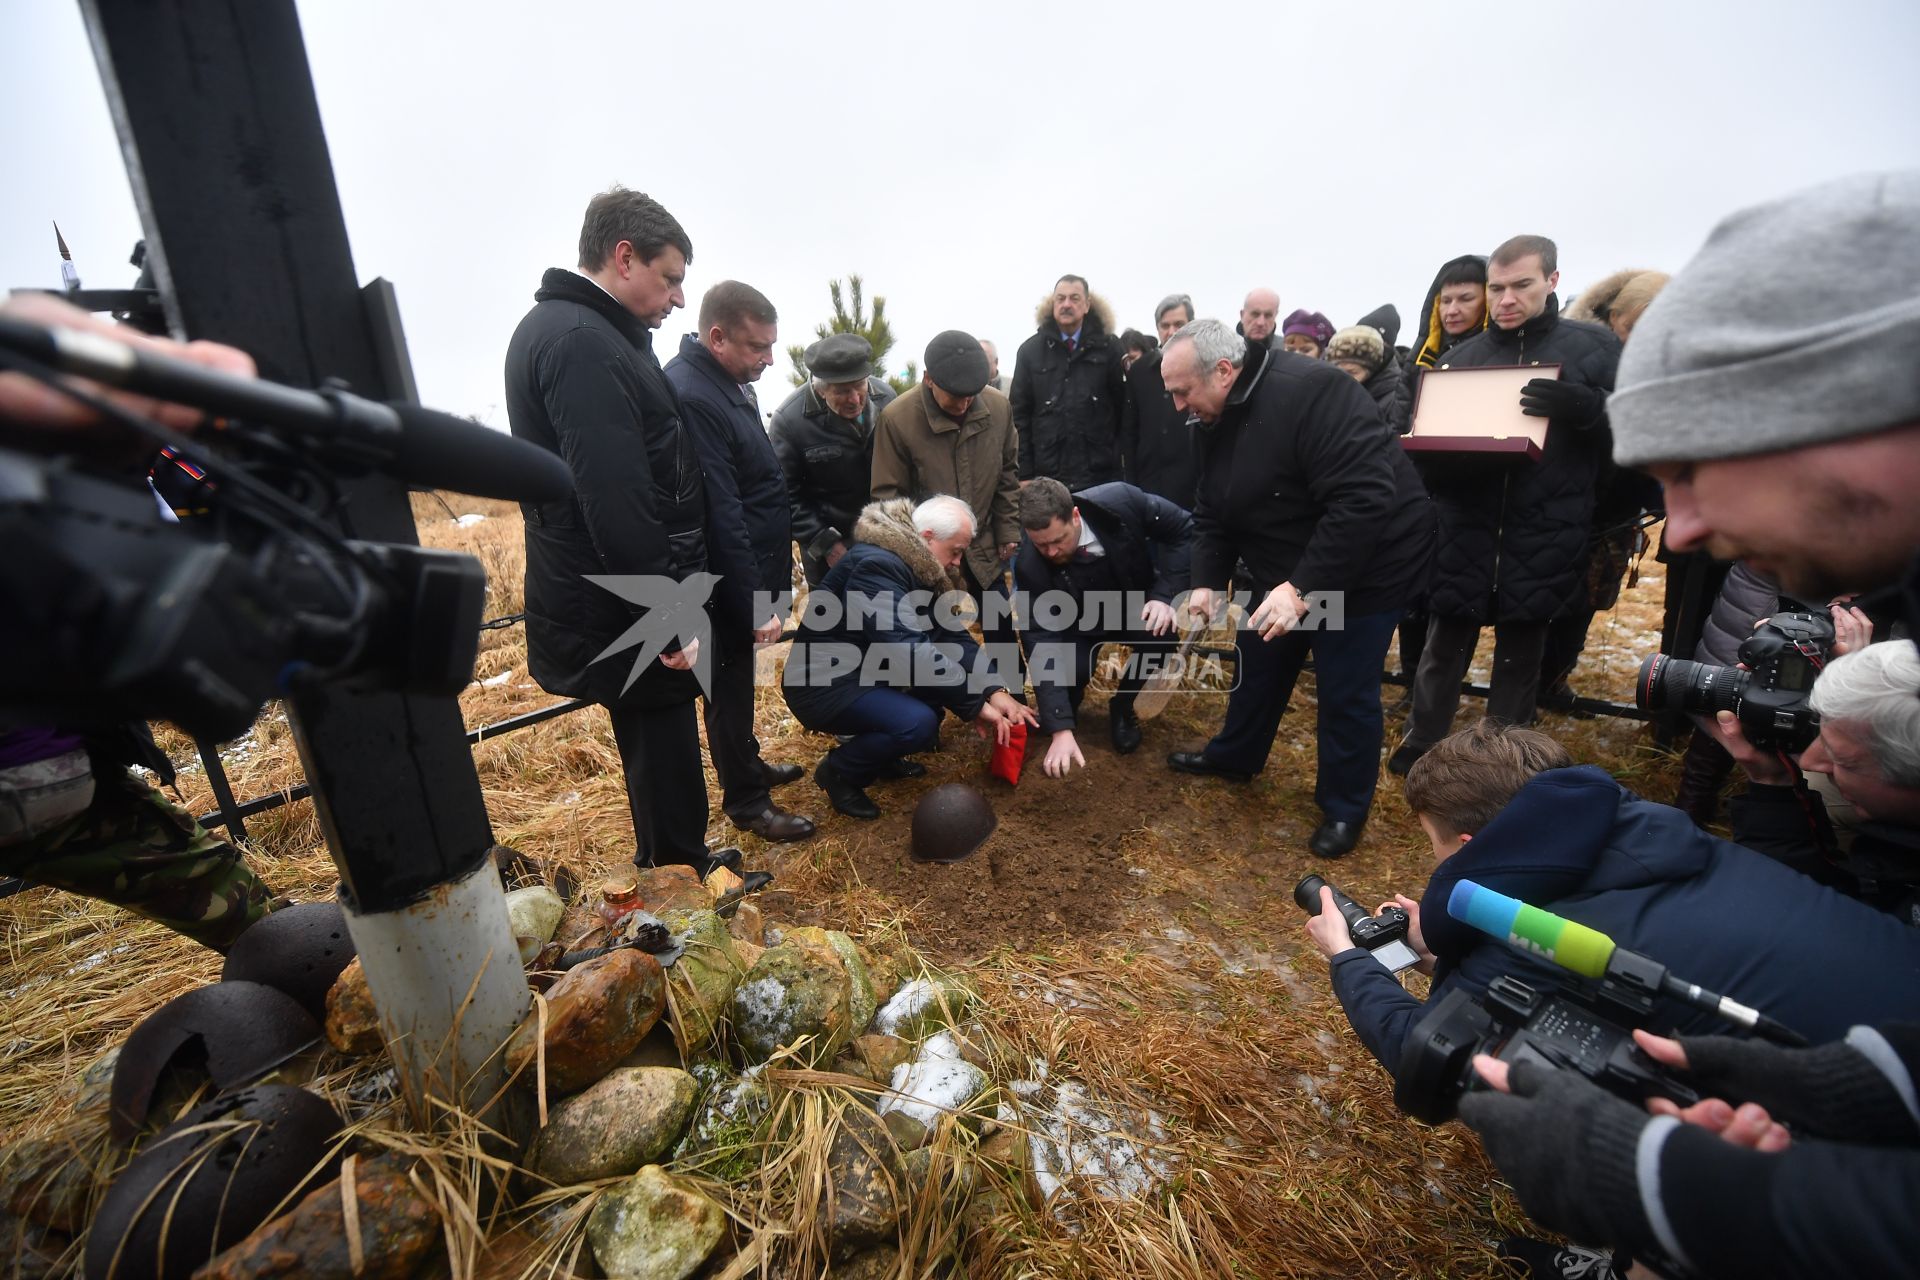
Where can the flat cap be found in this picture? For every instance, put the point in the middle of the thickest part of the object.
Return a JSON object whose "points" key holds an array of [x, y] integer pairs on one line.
{"points": [[840, 357], [956, 363]]}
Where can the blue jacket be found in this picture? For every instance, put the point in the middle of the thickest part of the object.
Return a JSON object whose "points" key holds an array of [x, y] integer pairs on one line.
{"points": [[1577, 843], [749, 525], [872, 623]]}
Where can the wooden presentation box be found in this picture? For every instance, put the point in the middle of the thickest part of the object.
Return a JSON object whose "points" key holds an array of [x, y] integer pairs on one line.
{"points": [[1465, 411]]}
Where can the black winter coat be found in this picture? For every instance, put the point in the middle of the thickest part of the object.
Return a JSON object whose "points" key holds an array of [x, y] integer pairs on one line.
{"points": [[1302, 480], [1156, 440], [749, 533], [582, 382], [1514, 534], [1130, 523], [828, 463], [1067, 405]]}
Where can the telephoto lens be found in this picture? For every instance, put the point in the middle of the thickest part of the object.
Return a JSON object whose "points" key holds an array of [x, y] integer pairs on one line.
{"points": [[1698, 687]]}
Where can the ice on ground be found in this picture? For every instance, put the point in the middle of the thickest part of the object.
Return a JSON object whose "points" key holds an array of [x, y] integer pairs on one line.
{"points": [[937, 1082], [1079, 1141], [908, 1003], [494, 682], [470, 519]]}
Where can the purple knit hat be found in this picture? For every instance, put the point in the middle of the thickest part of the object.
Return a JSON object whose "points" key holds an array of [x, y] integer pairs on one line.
{"points": [[1309, 324]]}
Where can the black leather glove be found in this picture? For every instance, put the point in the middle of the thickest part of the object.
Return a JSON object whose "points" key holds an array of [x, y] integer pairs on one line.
{"points": [[1568, 1149], [1832, 1091], [1573, 403]]}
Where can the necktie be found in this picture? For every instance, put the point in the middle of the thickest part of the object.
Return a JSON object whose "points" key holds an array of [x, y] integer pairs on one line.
{"points": [[1071, 344]]}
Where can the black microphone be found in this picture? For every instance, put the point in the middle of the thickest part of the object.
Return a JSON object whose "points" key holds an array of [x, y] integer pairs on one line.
{"points": [[420, 446]]}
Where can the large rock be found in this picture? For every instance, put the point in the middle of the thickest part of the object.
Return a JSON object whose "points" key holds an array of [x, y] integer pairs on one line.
{"points": [[865, 1181], [671, 888], [533, 913], [596, 1015], [879, 1055], [748, 925], [631, 1118], [936, 1084], [399, 1228], [702, 981], [654, 1226], [804, 989], [860, 1003], [879, 1263], [353, 1024], [47, 1181], [923, 1006], [724, 1140]]}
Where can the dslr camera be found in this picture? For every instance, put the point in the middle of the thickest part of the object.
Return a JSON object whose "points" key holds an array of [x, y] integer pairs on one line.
{"points": [[1383, 936], [1781, 659], [1516, 1022]]}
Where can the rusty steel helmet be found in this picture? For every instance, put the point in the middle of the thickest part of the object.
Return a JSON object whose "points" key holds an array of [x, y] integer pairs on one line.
{"points": [[237, 1031], [299, 950], [208, 1180], [950, 822]]}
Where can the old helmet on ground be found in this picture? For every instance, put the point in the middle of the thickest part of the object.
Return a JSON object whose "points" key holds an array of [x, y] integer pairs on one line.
{"points": [[950, 822]]}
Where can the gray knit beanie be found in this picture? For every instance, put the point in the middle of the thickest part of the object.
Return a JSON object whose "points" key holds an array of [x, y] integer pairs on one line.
{"points": [[1798, 322]]}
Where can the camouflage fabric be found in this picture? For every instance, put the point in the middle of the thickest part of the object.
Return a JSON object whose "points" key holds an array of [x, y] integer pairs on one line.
{"points": [[136, 849]]}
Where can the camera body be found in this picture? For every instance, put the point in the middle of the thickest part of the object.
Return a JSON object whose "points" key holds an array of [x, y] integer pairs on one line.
{"points": [[1782, 657], [1384, 935], [122, 614], [1516, 1022]]}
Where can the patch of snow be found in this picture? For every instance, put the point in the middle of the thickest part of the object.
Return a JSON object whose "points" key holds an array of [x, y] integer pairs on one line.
{"points": [[938, 1082], [909, 1002], [1114, 1151], [494, 682], [470, 519], [1174, 933], [763, 1003]]}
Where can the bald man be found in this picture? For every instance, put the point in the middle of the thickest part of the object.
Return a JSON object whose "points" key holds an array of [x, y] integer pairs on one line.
{"points": [[1260, 317]]}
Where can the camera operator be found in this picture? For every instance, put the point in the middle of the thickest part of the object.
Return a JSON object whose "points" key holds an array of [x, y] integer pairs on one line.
{"points": [[1717, 1190], [72, 815], [1770, 389], [1504, 810], [1869, 745]]}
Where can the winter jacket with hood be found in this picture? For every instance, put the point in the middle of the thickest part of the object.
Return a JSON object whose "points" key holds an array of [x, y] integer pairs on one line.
{"points": [[749, 531], [1156, 439], [918, 451], [1435, 341], [1577, 843], [1131, 525], [582, 382], [874, 615], [1514, 534], [828, 462], [1301, 479], [1067, 404]]}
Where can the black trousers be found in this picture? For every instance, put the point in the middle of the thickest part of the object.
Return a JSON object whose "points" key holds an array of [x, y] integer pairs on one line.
{"points": [[728, 711], [1512, 693], [660, 755]]}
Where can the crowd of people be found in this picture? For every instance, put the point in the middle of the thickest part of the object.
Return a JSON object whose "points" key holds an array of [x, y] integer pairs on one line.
{"points": [[973, 550]]}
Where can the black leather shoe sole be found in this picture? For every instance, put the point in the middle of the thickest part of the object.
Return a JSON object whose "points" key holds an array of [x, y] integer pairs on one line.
{"points": [[1196, 763], [779, 775]]}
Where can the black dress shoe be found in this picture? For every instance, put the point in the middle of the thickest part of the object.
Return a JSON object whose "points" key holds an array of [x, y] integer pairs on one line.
{"points": [[779, 775], [703, 865], [1124, 728], [902, 768], [1197, 762], [775, 823], [1334, 839], [843, 795], [1404, 759]]}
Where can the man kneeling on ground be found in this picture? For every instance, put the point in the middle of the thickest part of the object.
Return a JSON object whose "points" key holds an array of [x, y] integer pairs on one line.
{"points": [[1504, 809], [882, 650]]}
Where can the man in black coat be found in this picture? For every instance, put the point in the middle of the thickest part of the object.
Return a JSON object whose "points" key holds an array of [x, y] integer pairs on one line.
{"points": [[582, 381], [823, 436], [1101, 566], [1302, 480], [1068, 390], [749, 540], [1156, 443], [1513, 533]]}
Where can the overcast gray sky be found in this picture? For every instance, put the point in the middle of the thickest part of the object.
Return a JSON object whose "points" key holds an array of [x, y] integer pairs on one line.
{"points": [[962, 156]]}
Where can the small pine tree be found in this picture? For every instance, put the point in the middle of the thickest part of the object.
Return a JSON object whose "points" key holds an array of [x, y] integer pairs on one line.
{"points": [[875, 329]]}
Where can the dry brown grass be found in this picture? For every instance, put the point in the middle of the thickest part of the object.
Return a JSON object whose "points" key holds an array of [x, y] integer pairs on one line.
{"points": [[1203, 1006]]}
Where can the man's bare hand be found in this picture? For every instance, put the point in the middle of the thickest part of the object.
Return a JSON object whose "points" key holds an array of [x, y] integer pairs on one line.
{"points": [[1852, 629], [1000, 712], [1329, 929], [1062, 754], [768, 631], [1157, 617], [1414, 938], [683, 660], [1006, 551], [1200, 604], [1279, 613], [1762, 767], [834, 553], [27, 401]]}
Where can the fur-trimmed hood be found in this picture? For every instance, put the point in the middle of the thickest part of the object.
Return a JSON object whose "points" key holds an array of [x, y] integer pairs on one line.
{"points": [[888, 525], [1596, 303], [1099, 315]]}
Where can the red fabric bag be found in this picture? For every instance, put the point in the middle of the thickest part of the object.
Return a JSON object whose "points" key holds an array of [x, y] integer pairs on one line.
{"points": [[1007, 760]]}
